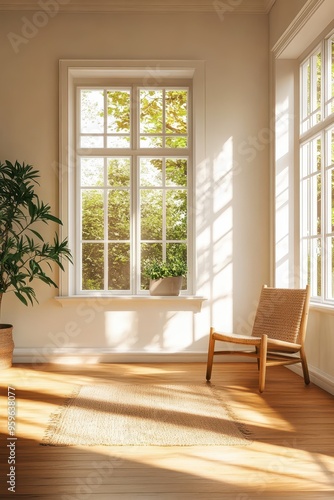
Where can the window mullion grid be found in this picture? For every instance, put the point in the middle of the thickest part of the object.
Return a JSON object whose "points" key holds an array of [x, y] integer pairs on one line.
{"points": [[135, 153], [313, 90], [304, 122], [328, 97], [326, 210], [312, 129]]}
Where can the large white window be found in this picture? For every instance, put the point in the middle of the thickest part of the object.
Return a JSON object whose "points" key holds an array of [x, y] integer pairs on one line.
{"points": [[126, 173], [317, 170]]}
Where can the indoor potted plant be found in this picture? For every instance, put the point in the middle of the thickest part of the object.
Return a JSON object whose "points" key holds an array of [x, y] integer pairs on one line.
{"points": [[24, 254], [166, 276]]}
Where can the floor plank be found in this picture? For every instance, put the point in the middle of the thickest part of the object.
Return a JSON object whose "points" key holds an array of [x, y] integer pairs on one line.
{"points": [[291, 455]]}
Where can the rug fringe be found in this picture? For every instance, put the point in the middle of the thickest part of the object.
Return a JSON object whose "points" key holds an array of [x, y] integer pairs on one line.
{"points": [[56, 416], [242, 427]]}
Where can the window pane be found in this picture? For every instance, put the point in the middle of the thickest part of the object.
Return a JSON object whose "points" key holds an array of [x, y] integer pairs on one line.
{"points": [[316, 267], [150, 142], [118, 108], [118, 172], [315, 205], [330, 74], [305, 159], [330, 148], [119, 141], [119, 266], [92, 171], [92, 266], [176, 172], [92, 111], [151, 111], [312, 265], [176, 215], [178, 250], [176, 108], [163, 118], [91, 141], [305, 261], [331, 267], [318, 85], [176, 142], [305, 208], [316, 156], [118, 215], [151, 214], [92, 214], [305, 95], [311, 91], [319, 208], [331, 183], [148, 251], [151, 172]]}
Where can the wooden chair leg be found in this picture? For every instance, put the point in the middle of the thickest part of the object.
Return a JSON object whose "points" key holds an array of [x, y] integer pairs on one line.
{"points": [[258, 359], [263, 362], [304, 366], [210, 355]]}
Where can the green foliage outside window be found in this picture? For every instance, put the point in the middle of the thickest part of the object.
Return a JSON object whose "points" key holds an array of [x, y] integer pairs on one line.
{"points": [[108, 214]]}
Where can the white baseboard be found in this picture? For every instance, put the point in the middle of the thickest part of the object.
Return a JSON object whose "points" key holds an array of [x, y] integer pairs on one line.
{"points": [[94, 355], [317, 377]]}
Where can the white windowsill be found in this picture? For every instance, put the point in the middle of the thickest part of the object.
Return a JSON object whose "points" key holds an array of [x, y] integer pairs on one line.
{"points": [[180, 302], [324, 308]]}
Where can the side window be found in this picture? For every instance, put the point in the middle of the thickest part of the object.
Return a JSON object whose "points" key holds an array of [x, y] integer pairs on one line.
{"points": [[317, 171]]}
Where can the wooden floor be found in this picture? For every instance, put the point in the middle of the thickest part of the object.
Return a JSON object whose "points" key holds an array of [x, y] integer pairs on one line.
{"points": [[291, 455]]}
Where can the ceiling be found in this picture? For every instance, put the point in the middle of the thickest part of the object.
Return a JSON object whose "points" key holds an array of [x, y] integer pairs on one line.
{"points": [[222, 6]]}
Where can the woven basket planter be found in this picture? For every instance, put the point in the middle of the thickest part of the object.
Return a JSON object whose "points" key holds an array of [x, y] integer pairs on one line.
{"points": [[6, 346]]}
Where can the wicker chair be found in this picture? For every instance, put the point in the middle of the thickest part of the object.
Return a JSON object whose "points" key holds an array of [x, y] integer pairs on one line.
{"points": [[278, 333]]}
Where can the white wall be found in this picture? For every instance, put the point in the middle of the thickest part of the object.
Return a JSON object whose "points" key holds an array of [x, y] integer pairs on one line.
{"points": [[296, 35], [232, 181]]}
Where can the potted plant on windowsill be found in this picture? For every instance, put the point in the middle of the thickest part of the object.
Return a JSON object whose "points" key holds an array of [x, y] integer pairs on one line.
{"points": [[166, 276], [24, 254]]}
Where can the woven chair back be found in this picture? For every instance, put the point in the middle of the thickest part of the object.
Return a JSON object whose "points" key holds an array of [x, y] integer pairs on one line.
{"points": [[279, 314]]}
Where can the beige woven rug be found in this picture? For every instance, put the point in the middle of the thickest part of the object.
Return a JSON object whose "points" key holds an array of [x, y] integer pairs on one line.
{"points": [[142, 414]]}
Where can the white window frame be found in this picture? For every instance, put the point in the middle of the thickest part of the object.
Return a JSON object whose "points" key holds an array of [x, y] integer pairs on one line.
{"points": [[75, 73], [308, 134]]}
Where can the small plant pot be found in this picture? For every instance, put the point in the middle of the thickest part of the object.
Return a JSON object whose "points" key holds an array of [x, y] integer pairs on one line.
{"points": [[6, 346], [166, 286]]}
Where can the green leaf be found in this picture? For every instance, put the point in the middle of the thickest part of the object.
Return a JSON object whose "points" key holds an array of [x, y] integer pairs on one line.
{"points": [[22, 258], [36, 233]]}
